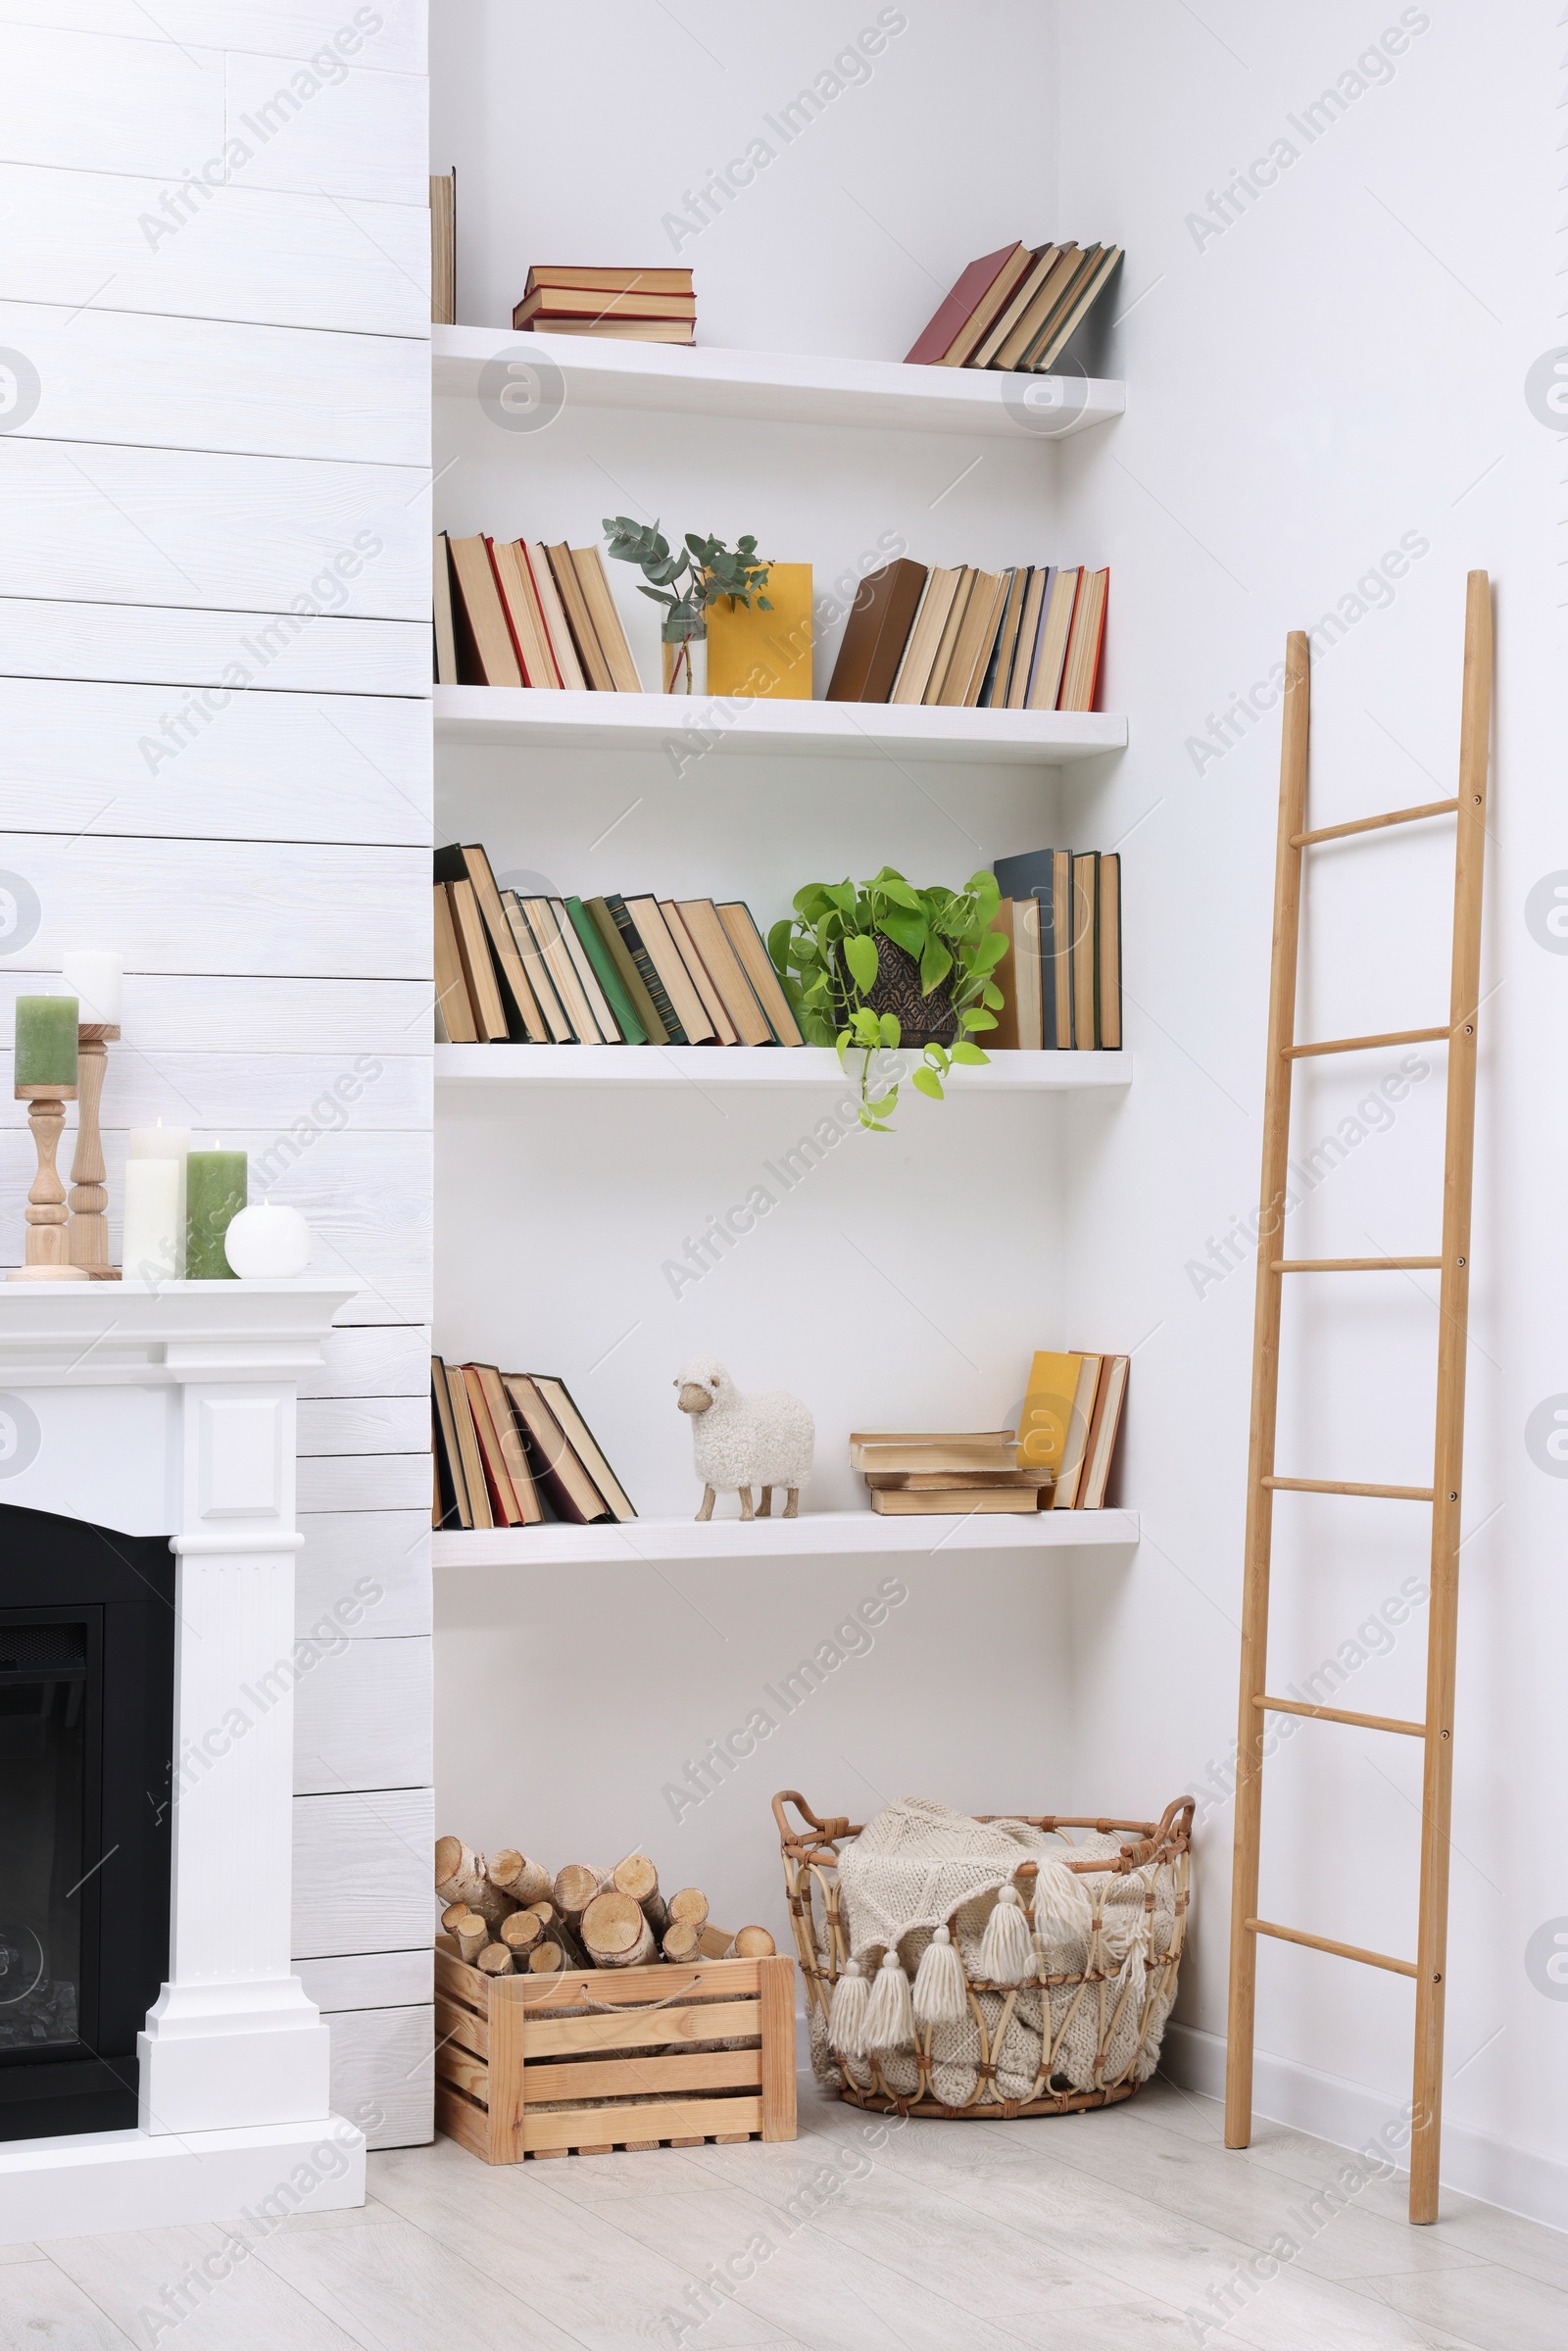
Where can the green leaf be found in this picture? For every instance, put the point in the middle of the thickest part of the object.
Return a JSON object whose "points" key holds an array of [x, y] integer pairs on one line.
{"points": [[907, 931], [892, 1034], [867, 1028], [861, 957], [895, 886], [992, 994], [936, 1055], [935, 965], [929, 1084], [988, 952], [964, 1051], [980, 1020]]}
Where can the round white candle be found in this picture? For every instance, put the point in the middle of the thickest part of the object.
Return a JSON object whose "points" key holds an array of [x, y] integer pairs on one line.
{"points": [[95, 976], [264, 1243], [153, 1246], [159, 1143]]}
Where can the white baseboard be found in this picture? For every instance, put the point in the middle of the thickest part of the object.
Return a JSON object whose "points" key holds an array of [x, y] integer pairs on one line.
{"points": [[101, 2181], [1347, 2116]]}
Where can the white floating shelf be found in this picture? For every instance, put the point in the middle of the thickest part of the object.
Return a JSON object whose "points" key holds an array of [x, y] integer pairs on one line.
{"points": [[706, 1067], [816, 1534], [774, 387], [687, 727]]}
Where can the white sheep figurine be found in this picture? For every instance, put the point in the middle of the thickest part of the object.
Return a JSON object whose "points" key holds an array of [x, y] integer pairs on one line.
{"points": [[741, 1440]]}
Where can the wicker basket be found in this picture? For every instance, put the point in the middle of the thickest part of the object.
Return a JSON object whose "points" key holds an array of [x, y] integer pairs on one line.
{"points": [[1097, 2002]]}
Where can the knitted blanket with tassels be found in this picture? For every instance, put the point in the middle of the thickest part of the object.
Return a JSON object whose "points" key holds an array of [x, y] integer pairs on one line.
{"points": [[915, 1862]]}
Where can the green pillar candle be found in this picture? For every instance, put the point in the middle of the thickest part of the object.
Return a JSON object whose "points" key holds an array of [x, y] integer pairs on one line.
{"points": [[215, 1194], [46, 1040]]}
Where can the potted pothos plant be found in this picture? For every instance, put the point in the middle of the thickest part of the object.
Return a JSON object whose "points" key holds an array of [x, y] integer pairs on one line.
{"points": [[707, 568], [873, 965]]}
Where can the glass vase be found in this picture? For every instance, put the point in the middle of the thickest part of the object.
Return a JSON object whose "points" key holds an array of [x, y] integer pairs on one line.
{"points": [[684, 661]]}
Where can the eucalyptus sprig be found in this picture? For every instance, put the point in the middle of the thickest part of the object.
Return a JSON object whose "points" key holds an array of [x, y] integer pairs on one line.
{"points": [[709, 567], [828, 964]]}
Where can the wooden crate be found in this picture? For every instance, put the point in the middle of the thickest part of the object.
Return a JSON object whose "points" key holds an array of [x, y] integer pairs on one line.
{"points": [[515, 2075]]}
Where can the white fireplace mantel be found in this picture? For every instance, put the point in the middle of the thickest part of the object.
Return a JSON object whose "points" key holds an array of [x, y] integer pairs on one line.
{"points": [[170, 1410]]}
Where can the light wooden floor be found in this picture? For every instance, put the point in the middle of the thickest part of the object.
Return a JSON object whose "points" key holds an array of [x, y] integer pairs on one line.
{"points": [[1100, 2232]]}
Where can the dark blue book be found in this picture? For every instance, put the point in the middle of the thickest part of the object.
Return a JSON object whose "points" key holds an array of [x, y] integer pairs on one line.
{"points": [[1046, 874]]}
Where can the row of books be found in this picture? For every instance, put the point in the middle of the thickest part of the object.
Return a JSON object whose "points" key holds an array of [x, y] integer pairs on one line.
{"points": [[504, 1445], [1025, 639], [612, 971], [1017, 307], [521, 613], [1058, 1457], [1060, 978], [629, 306]]}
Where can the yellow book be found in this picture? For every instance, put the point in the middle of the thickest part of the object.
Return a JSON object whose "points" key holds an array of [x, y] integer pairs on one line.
{"points": [[1046, 1418], [764, 654]]}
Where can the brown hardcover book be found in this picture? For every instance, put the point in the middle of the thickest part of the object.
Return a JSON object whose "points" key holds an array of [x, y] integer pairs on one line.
{"points": [[1003, 1037], [941, 658], [474, 1476], [1102, 1433], [1065, 1491], [508, 1435], [1081, 670], [485, 636], [489, 1014], [631, 979], [1028, 631], [620, 330], [1042, 263], [594, 580], [1056, 628], [1081, 298], [546, 926], [876, 632], [971, 654], [1060, 949], [590, 653], [588, 979], [994, 691], [685, 1002], [553, 615], [543, 308], [451, 1509], [1107, 943], [697, 972], [728, 974], [445, 643], [530, 954], [529, 638], [961, 351], [470, 862], [958, 308], [1085, 961], [943, 1481], [1026, 972], [609, 281], [503, 1505], [925, 635], [1065, 271], [443, 248], [556, 1467], [452, 1000], [958, 1501], [557, 1397], [747, 942]]}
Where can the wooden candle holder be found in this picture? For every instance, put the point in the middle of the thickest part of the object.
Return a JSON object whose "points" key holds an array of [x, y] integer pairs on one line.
{"points": [[48, 1248], [88, 1234]]}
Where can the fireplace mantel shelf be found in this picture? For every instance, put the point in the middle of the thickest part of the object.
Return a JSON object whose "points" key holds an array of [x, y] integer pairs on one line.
{"points": [[114, 1333]]}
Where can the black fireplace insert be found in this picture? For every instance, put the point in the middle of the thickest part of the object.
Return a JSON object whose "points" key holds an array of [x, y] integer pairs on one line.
{"points": [[86, 1716]]}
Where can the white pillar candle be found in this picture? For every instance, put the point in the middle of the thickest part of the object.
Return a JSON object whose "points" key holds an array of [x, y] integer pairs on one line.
{"points": [[171, 1143], [95, 976], [153, 1243]]}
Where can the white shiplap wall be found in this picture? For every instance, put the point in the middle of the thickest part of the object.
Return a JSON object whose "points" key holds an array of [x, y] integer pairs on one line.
{"points": [[232, 395]]}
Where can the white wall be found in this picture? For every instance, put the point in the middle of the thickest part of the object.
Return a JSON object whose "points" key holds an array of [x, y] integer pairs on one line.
{"points": [[1342, 365], [231, 392]]}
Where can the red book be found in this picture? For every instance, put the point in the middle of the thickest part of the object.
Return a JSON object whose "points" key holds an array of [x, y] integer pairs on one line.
{"points": [[964, 299]]}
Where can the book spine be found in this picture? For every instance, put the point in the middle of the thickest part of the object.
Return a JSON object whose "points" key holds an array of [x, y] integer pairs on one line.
{"points": [[645, 969]]}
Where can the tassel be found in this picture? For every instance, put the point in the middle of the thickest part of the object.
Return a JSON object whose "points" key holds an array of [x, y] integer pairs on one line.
{"points": [[890, 2010], [1063, 1913], [1133, 1969], [845, 2018], [1005, 1956], [939, 1983]]}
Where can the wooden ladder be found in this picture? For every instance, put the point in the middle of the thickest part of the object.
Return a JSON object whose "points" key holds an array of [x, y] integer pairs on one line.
{"points": [[1447, 1488]]}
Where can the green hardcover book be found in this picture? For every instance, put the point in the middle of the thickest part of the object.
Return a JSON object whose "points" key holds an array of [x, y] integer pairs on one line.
{"points": [[605, 972], [604, 922], [646, 971]]}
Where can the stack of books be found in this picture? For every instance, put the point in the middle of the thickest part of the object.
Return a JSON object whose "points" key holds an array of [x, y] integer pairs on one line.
{"points": [[1024, 639], [631, 305], [506, 1443], [521, 614], [1060, 978], [612, 971], [1017, 307], [948, 1475]]}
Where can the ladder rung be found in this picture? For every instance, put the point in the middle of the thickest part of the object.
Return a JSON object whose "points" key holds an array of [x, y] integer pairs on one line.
{"points": [[1374, 824], [1321, 1943], [1333, 1714], [1354, 1264], [1356, 1044], [1388, 1494]]}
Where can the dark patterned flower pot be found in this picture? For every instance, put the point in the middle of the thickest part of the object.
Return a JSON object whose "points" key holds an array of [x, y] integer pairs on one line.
{"points": [[923, 1020]]}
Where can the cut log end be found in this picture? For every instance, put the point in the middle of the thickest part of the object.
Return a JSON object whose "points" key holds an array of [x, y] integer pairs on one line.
{"points": [[521, 1931], [515, 1875], [614, 1932], [683, 1942], [545, 1959], [750, 1943], [474, 1933], [688, 1908], [575, 1888], [636, 1876], [495, 1960]]}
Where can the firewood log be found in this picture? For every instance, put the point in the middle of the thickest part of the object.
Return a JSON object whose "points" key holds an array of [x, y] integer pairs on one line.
{"points": [[575, 1888], [683, 1942], [472, 1932], [688, 1908], [451, 1915], [523, 1880], [749, 1942], [495, 1960], [636, 1876], [545, 1959], [461, 1877], [614, 1932], [522, 1932]]}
